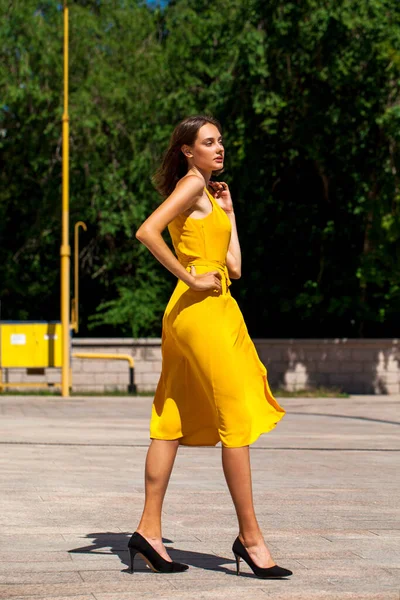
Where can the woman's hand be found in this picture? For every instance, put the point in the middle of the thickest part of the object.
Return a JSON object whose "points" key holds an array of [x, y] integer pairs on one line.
{"points": [[205, 281], [222, 194]]}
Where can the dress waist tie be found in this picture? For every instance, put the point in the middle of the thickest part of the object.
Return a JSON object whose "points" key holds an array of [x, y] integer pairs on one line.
{"points": [[213, 264]]}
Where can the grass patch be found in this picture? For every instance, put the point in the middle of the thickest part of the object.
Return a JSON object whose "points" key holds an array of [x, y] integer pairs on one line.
{"points": [[56, 392], [315, 392]]}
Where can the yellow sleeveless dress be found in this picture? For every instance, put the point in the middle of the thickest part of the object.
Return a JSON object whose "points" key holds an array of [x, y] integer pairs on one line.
{"points": [[213, 387]]}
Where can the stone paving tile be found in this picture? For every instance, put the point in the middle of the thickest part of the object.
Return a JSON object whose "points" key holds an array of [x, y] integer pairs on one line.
{"points": [[113, 563], [45, 542], [89, 596], [314, 554], [337, 563], [193, 576], [348, 534], [42, 577], [34, 530], [71, 589], [243, 583], [98, 555], [386, 532], [373, 545], [326, 533], [394, 571], [378, 525], [232, 594], [333, 595], [11, 557]]}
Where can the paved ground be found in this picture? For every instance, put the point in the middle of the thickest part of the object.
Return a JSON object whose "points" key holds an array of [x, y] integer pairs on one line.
{"points": [[326, 486]]}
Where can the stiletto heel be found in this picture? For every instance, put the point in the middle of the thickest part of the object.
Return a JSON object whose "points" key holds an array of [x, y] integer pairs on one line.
{"points": [[132, 554], [139, 545], [274, 572], [237, 563]]}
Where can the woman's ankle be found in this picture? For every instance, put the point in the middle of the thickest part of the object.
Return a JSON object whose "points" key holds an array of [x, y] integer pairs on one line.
{"points": [[251, 538], [149, 534]]}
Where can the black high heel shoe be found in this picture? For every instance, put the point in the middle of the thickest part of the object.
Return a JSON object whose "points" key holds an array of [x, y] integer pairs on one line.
{"points": [[274, 572], [139, 545]]}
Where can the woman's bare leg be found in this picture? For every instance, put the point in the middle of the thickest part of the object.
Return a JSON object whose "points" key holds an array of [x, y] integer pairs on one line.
{"points": [[159, 462], [237, 471]]}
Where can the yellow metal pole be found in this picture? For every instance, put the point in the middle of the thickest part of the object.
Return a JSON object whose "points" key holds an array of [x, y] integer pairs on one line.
{"points": [[75, 301], [65, 250]]}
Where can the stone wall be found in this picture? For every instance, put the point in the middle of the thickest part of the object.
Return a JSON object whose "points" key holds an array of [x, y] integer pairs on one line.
{"points": [[102, 375], [356, 366]]}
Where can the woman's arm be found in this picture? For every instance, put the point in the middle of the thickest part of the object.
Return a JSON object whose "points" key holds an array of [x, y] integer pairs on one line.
{"points": [[188, 191], [234, 255], [222, 194]]}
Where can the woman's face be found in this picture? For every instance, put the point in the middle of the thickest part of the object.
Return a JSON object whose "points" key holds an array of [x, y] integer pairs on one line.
{"points": [[207, 152]]}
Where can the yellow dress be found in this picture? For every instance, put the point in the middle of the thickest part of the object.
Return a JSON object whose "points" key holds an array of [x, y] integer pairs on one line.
{"points": [[213, 387]]}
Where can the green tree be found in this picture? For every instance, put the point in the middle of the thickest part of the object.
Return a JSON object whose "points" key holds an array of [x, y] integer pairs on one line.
{"points": [[308, 95]]}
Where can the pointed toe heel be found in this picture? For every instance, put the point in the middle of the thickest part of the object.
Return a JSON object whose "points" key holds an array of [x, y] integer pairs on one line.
{"points": [[139, 545], [274, 572]]}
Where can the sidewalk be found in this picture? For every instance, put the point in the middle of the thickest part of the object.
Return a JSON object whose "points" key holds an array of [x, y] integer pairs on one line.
{"points": [[326, 488]]}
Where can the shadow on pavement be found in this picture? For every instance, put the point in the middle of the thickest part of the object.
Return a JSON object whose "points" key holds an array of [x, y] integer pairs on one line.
{"points": [[117, 543]]}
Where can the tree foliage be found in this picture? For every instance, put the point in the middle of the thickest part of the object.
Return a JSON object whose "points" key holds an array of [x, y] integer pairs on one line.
{"points": [[308, 95]]}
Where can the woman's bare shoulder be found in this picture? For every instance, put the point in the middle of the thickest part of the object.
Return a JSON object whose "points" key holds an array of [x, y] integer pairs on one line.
{"points": [[191, 183]]}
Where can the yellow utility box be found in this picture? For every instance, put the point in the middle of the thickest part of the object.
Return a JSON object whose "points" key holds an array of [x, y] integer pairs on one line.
{"points": [[30, 345]]}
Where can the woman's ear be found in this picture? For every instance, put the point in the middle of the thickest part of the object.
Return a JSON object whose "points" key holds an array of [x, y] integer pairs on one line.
{"points": [[186, 151]]}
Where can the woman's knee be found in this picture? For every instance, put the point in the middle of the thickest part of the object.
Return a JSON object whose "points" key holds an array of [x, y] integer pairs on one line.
{"points": [[170, 443]]}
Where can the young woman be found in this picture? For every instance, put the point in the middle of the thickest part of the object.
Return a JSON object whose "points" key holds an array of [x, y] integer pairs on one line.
{"points": [[213, 387]]}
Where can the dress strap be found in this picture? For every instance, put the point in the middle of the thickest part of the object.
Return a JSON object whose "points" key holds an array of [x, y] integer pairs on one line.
{"points": [[210, 195]]}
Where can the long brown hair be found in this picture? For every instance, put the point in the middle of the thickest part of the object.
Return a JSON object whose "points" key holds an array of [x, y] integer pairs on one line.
{"points": [[174, 164]]}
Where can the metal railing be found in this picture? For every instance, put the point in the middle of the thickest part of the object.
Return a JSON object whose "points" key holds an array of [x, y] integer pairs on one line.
{"points": [[93, 355]]}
